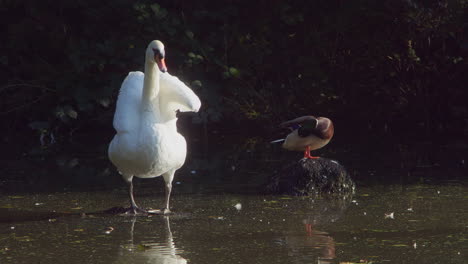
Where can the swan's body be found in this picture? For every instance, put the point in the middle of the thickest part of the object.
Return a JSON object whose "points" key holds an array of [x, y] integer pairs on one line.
{"points": [[308, 133], [147, 143]]}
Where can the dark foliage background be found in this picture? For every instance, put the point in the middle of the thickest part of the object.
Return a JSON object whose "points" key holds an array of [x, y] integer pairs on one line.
{"points": [[391, 69]]}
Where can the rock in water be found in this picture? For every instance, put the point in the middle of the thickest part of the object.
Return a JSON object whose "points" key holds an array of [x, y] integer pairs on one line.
{"points": [[312, 177]]}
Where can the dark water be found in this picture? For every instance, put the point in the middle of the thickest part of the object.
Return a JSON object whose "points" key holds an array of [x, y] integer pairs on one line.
{"points": [[409, 207], [382, 224]]}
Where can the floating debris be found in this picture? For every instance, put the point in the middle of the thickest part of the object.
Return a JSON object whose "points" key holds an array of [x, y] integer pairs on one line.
{"points": [[390, 215], [217, 217], [238, 206], [109, 230], [16, 197], [142, 247]]}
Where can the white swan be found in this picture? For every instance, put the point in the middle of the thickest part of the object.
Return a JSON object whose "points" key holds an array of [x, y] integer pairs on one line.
{"points": [[159, 249], [147, 143]]}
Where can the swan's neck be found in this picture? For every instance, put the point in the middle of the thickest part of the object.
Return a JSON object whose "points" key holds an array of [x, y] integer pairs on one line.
{"points": [[150, 85]]}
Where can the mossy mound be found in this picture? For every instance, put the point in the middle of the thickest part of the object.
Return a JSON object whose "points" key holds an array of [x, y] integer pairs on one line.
{"points": [[312, 177]]}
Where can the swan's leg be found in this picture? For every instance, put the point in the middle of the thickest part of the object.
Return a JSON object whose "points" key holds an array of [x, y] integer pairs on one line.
{"points": [[134, 206], [134, 209], [168, 177]]}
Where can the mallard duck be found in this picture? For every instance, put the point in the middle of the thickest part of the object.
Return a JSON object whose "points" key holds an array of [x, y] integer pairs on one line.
{"points": [[308, 133]]}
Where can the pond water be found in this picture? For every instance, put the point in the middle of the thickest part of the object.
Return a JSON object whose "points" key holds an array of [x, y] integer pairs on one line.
{"points": [[223, 219], [383, 224]]}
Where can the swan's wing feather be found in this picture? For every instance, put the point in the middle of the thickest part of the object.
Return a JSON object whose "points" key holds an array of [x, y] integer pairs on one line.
{"points": [[126, 115], [172, 89]]}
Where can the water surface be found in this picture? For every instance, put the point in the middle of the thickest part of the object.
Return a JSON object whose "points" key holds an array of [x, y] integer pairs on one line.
{"points": [[410, 206], [416, 223]]}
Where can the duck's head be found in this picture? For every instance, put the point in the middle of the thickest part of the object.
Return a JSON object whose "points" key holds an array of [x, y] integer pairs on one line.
{"points": [[325, 128], [155, 53]]}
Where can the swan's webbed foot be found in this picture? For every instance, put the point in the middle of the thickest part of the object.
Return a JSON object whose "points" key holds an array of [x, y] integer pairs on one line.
{"points": [[126, 211], [134, 210], [164, 211]]}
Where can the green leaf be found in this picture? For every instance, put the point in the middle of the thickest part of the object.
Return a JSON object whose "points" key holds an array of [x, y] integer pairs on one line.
{"points": [[189, 34], [234, 72], [105, 102], [72, 113], [197, 83]]}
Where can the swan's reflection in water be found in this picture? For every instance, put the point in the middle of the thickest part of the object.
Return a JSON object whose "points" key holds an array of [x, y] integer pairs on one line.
{"points": [[143, 251]]}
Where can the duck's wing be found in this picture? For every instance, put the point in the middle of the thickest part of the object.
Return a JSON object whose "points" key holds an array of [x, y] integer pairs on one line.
{"points": [[308, 129], [321, 127], [296, 122], [126, 115]]}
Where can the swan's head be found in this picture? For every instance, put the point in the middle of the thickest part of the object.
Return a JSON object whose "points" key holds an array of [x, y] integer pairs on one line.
{"points": [[155, 53]]}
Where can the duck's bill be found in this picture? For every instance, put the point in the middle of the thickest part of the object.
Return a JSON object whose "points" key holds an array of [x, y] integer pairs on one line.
{"points": [[277, 141]]}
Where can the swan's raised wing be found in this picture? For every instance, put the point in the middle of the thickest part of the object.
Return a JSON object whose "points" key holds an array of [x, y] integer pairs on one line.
{"points": [[175, 95], [126, 115]]}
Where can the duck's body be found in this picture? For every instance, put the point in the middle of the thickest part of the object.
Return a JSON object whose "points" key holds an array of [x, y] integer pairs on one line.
{"points": [[308, 133], [147, 143]]}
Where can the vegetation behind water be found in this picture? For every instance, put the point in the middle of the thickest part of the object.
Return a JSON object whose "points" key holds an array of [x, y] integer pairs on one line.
{"points": [[383, 68]]}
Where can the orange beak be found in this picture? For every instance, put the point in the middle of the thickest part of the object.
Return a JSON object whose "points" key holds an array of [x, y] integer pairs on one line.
{"points": [[162, 65]]}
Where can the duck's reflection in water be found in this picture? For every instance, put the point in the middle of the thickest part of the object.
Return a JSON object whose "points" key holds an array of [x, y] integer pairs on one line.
{"points": [[311, 244], [318, 245], [147, 250]]}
